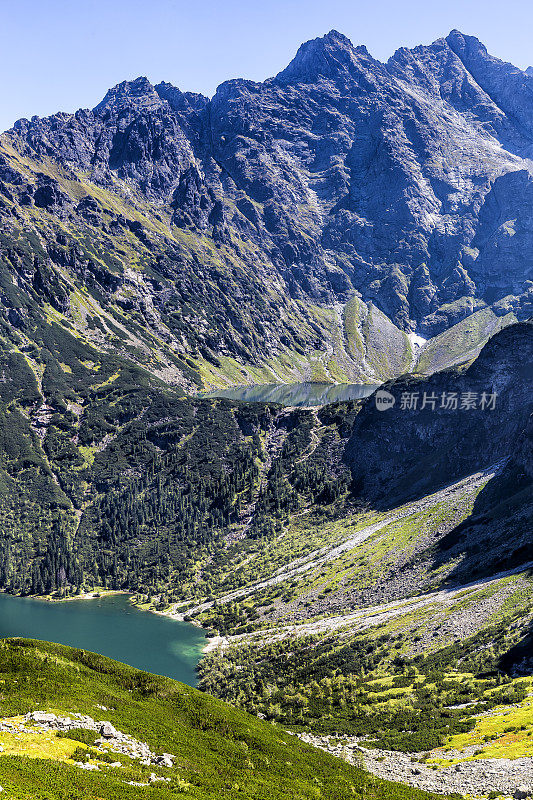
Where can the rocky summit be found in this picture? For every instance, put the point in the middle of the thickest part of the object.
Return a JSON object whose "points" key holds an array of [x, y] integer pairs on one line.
{"points": [[303, 227]]}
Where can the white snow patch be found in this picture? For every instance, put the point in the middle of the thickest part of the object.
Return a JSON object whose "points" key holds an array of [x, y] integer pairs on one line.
{"points": [[416, 340]]}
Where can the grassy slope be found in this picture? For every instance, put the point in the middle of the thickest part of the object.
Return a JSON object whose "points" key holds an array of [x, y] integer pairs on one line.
{"points": [[220, 752], [462, 342], [387, 673], [506, 732], [372, 337]]}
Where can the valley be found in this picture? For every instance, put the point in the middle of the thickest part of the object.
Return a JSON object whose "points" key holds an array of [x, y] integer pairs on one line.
{"points": [[180, 742], [199, 298], [334, 610]]}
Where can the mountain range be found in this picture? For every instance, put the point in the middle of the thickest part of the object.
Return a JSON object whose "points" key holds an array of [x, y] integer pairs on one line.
{"points": [[300, 228], [364, 574]]}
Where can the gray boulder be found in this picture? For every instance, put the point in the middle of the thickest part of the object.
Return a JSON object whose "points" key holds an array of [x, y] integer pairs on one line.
{"points": [[107, 731]]}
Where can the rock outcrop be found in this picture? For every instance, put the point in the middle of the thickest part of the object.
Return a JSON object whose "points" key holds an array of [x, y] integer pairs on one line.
{"points": [[115, 740], [406, 184]]}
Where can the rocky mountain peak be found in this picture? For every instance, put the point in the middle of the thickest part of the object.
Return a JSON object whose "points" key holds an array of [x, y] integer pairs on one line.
{"points": [[458, 40], [529, 71], [137, 92], [504, 84], [475, 55], [405, 186], [181, 101], [328, 56]]}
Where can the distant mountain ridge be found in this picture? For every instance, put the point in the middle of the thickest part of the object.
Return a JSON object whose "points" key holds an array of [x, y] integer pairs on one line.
{"points": [[297, 228]]}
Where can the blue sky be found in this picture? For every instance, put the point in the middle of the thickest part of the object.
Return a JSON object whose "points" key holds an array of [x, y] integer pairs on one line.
{"points": [[59, 55]]}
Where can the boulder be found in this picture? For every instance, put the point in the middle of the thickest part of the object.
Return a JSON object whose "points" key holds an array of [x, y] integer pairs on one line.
{"points": [[165, 760], [107, 730]]}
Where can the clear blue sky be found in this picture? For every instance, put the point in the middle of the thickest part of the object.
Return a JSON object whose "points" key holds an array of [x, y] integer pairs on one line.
{"points": [[58, 55]]}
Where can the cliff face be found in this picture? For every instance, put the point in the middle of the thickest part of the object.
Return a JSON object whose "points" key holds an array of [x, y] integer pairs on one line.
{"points": [[448, 426], [409, 451], [228, 235]]}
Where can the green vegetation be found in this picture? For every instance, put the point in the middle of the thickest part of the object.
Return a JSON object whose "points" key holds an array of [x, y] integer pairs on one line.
{"points": [[214, 320], [109, 478], [461, 342], [112, 477], [219, 751], [368, 684], [372, 336], [507, 732]]}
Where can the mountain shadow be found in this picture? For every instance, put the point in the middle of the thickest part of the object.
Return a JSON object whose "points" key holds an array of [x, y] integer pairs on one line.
{"points": [[498, 534], [445, 428], [518, 661]]}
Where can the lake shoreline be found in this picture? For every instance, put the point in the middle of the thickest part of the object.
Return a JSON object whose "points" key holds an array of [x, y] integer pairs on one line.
{"points": [[48, 598], [96, 595], [109, 626], [212, 642]]}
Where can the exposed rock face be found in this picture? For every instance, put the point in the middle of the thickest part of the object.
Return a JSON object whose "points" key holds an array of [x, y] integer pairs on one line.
{"points": [[428, 439], [409, 183]]}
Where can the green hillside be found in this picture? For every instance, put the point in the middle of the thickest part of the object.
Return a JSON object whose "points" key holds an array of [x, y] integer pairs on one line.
{"points": [[218, 751]]}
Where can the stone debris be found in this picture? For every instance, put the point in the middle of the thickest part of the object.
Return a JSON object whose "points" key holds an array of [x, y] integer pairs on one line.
{"points": [[115, 740], [476, 778], [153, 778]]}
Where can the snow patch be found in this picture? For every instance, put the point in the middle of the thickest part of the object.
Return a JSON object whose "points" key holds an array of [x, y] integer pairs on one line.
{"points": [[416, 340]]}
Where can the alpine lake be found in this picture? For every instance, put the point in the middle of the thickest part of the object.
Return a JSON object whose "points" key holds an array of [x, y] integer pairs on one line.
{"points": [[111, 625], [296, 394]]}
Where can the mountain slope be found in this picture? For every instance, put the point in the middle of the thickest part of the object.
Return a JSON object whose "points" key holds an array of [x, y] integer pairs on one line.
{"points": [[219, 240], [110, 477], [437, 441], [214, 750]]}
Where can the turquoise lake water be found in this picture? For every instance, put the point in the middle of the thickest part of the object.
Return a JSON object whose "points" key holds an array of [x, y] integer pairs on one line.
{"points": [[111, 626]]}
